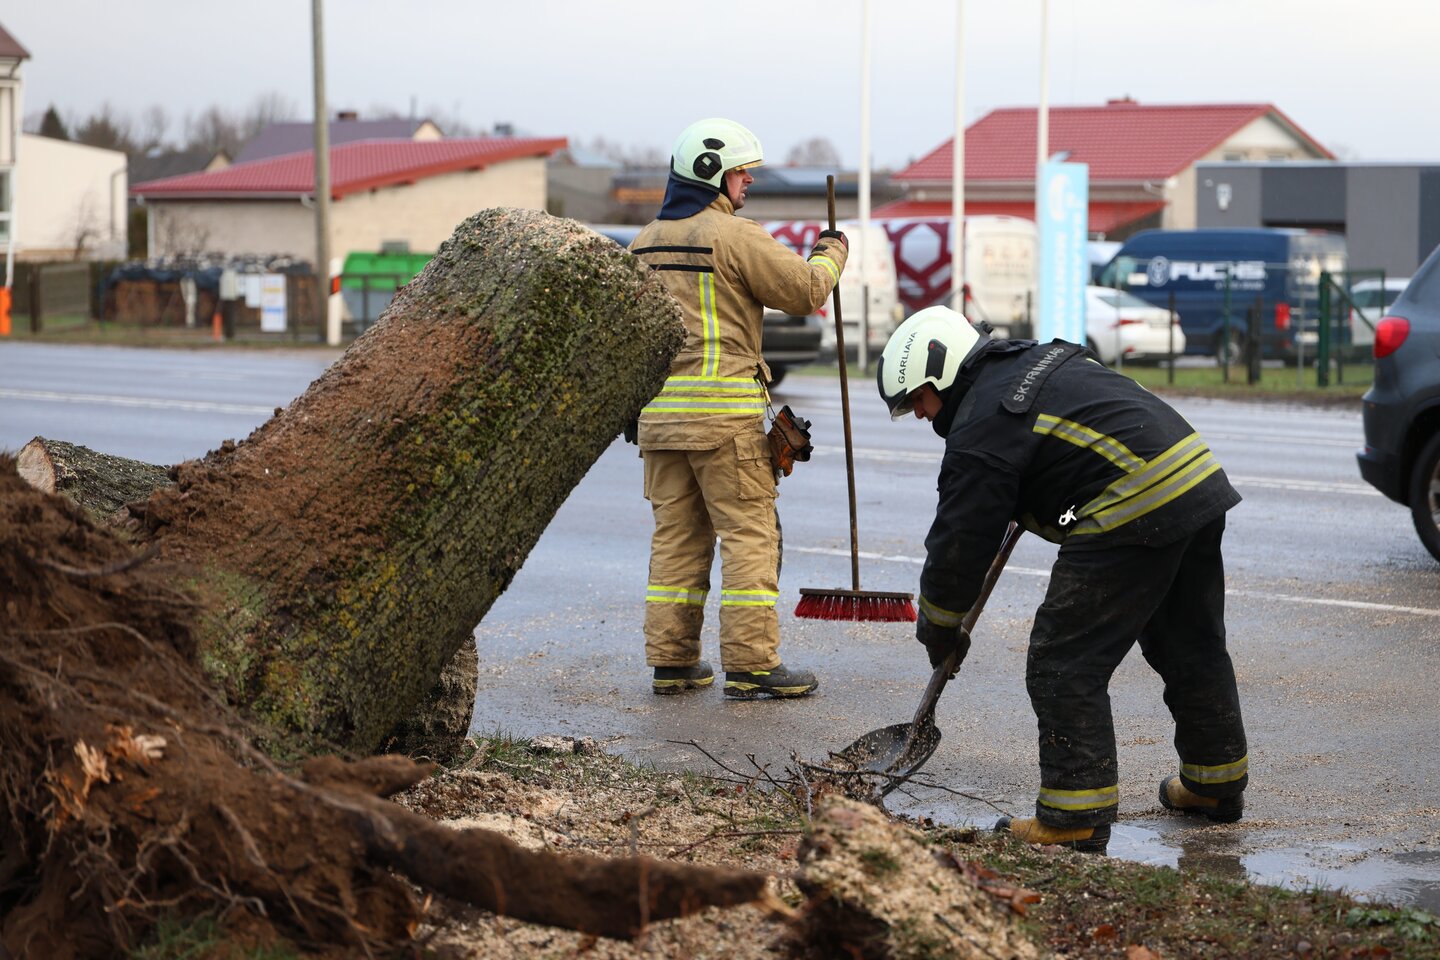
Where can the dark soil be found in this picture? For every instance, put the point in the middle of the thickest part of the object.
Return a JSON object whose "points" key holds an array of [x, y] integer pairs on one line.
{"points": [[124, 798]]}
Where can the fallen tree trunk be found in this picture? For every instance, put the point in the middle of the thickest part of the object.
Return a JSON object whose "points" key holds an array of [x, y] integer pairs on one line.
{"points": [[123, 799], [104, 484], [321, 571], [346, 549]]}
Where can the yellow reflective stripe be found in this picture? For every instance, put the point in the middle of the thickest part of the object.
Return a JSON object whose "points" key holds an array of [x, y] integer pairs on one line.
{"points": [[1153, 499], [1082, 436], [828, 264], [1137, 482], [720, 395], [1220, 773], [717, 385], [707, 402], [1080, 799], [710, 323], [748, 598], [655, 593], [939, 615]]}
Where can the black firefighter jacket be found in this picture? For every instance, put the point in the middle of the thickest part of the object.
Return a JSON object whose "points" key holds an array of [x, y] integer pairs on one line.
{"points": [[1073, 451]]}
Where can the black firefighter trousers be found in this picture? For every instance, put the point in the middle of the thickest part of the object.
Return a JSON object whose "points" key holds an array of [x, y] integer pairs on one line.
{"points": [[1099, 603]]}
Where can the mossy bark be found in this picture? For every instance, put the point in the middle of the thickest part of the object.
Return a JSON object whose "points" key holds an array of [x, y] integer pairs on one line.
{"points": [[345, 550], [105, 485]]}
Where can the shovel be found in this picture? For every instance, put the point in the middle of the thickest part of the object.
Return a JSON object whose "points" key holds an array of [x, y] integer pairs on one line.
{"points": [[900, 749]]}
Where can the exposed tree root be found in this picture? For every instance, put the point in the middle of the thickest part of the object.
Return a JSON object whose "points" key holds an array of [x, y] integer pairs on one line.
{"points": [[129, 791]]}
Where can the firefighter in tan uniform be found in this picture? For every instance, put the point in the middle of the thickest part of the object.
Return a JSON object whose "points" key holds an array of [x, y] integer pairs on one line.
{"points": [[707, 462]]}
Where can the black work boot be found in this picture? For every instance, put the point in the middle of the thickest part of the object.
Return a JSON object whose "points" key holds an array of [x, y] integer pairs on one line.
{"points": [[1031, 830], [778, 681], [1174, 795], [680, 679]]}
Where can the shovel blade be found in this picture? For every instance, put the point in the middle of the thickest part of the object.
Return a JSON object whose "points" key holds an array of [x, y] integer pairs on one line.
{"points": [[891, 749]]}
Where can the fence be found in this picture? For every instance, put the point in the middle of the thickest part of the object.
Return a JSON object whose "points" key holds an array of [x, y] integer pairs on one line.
{"points": [[276, 298], [1303, 312], [54, 292]]}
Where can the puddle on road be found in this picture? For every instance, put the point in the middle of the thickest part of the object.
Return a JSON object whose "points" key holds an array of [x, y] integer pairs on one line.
{"points": [[1403, 879]]}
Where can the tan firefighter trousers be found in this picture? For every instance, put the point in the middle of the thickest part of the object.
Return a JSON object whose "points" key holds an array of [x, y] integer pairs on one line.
{"points": [[698, 495]]}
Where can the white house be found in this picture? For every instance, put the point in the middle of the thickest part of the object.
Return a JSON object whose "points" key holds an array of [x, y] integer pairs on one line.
{"points": [[71, 200], [12, 56]]}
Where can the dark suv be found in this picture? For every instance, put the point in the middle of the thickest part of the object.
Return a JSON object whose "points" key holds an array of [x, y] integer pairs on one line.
{"points": [[1401, 456]]}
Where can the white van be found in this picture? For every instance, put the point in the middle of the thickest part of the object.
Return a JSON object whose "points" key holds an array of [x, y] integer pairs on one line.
{"points": [[877, 273], [1001, 267]]}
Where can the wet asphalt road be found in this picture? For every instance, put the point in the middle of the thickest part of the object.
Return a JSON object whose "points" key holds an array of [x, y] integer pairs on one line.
{"points": [[1333, 612]]}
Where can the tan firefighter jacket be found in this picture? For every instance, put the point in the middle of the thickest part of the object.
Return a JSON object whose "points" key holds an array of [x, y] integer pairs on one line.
{"points": [[724, 270]]}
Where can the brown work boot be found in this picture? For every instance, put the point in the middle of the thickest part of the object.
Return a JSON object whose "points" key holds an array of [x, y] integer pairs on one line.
{"points": [[778, 681], [680, 679], [1174, 795], [1031, 830]]}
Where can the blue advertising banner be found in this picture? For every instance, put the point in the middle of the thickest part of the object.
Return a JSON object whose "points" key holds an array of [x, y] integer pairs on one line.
{"points": [[1064, 266]]}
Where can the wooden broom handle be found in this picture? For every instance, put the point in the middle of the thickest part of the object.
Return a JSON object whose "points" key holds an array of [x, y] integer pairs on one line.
{"points": [[844, 404]]}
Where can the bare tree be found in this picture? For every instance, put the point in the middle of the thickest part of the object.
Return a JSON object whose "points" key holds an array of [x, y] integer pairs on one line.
{"points": [[630, 156], [106, 128], [265, 109], [815, 152], [151, 130], [86, 227]]}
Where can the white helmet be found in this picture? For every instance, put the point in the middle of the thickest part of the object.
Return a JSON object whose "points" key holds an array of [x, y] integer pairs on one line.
{"points": [[927, 348], [707, 148]]}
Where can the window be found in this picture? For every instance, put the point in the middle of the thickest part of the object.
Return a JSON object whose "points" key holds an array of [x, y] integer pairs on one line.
{"points": [[4, 206]]}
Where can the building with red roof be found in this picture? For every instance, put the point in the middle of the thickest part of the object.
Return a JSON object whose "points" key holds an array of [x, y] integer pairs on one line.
{"points": [[385, 194], [1141, 157]]}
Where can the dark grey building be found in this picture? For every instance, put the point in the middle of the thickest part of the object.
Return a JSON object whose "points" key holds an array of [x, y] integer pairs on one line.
{"points": [[1388, 212]]}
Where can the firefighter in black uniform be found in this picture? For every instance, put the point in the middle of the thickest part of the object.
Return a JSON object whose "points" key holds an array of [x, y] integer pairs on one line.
{"points": [[1086, 458]]}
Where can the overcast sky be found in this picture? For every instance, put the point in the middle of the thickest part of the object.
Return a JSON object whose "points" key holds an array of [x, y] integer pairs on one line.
{"points": [[1362, 78]]}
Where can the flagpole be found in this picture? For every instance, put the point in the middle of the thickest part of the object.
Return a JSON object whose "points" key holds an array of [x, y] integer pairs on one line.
{"points": [[863, 186], [957, 170]]}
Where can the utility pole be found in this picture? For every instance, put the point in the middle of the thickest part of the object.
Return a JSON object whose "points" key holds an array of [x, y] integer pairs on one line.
{"points": [[322, 181], [957, 169], [863, 349]]}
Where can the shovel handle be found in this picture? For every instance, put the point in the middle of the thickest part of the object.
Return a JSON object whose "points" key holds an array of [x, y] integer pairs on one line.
{"points": [[926, 711]]}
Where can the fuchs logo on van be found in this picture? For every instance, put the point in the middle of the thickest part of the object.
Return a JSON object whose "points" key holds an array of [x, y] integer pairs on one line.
{"points": [[1163, 270]]}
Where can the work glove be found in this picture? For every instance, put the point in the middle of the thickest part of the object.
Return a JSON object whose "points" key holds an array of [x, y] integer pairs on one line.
{"points": [[836, 234], [939, 641]]}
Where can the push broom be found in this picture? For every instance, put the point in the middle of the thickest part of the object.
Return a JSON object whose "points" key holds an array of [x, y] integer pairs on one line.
{"points": [[852, 604]]}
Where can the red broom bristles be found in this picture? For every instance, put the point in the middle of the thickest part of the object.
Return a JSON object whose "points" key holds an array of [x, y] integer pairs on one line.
{"points": [[855, 605]]}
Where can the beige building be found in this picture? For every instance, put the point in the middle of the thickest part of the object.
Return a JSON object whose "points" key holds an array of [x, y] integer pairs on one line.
{"points": [[384, 194], [71, 199]]}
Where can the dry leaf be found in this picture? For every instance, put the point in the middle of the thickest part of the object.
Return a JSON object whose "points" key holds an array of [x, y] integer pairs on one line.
{"points": [[93, 765], [1137, 952]]}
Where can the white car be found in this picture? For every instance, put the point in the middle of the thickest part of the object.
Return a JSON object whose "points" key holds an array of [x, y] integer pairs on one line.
{"points": [[1373, 302], [1119, 325]]}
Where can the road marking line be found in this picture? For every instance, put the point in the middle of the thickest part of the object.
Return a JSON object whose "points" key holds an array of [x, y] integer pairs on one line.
{"points": [[1291, 439], [1306, 486], [1247, 594], [154, 403]]}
